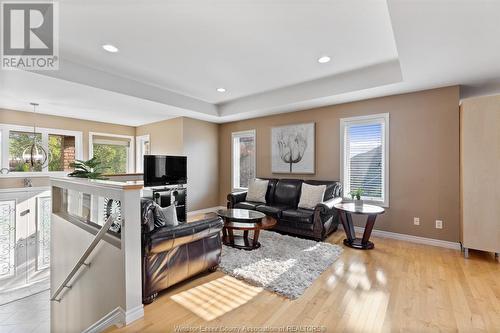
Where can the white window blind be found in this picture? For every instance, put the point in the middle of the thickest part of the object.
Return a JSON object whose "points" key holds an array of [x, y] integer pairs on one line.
{"points": [[364, 157]]}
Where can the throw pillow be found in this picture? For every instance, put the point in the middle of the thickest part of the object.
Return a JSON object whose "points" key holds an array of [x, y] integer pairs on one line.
{"points": [[257, 189], [166, 216], [311, 195]]}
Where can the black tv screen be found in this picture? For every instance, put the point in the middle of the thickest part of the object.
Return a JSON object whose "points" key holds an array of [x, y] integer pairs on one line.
{"points": [[164, 170]]}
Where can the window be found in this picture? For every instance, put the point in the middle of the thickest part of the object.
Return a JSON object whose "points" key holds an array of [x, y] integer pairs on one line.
{"points": [[243, 158], [143, 147], [115, 152], [19, 143], [61, 152], [365, 157], [62, 148]]}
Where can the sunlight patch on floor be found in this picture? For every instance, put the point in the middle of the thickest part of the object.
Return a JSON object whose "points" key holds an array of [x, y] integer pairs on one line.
{"points": [[215, 298]]}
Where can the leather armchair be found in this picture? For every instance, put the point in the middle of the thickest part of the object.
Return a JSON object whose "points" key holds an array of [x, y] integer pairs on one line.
{"points": [[173, 254]]}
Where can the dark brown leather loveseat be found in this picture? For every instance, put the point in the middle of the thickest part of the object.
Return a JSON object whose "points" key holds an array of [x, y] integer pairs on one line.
{"points": [[173, 254], [282, 198]]}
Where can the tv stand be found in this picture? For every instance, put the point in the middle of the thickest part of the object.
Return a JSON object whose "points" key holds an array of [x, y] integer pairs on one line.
{"points": [[167, 195]]}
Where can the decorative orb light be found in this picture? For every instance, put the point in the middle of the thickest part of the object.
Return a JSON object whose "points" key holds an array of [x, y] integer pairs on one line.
{"points": [[34, 155]]}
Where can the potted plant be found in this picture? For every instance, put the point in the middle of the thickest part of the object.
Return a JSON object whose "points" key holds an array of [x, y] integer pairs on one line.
{"points": [[87, 169], [356, 197]]}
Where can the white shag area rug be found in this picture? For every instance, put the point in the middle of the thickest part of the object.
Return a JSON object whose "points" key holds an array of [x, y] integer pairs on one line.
{"points": [[283, 264]]}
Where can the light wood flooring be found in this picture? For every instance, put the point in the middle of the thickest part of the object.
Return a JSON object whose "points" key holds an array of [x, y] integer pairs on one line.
{"points": [[397, 287]]}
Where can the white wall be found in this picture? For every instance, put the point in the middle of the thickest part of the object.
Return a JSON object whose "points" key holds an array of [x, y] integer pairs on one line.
{"points": [[98, 290]]}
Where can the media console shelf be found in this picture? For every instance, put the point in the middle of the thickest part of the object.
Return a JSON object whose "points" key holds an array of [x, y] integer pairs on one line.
{"points": [[168, 195]]}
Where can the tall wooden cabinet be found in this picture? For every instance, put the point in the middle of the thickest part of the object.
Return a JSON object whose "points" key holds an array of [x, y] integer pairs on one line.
{"points": [[480, 174]]}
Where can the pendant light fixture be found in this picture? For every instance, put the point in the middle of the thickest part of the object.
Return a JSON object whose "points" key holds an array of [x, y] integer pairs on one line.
{"points": [[34, 154]]}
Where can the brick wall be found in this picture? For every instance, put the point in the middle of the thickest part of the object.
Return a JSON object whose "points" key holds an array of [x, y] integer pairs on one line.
{"points": [[68, 152]]}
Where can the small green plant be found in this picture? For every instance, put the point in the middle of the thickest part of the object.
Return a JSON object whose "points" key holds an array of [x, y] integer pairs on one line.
{"points": [[91, 169], [356, 194]]}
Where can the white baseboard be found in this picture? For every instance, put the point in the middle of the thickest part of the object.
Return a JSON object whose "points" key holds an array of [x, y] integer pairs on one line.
{"points": [[134, 314], [206, 210], [411, 238], [115, 317]]}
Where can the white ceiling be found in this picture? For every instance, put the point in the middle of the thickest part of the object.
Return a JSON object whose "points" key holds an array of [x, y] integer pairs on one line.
{"points": [[174, 54]]}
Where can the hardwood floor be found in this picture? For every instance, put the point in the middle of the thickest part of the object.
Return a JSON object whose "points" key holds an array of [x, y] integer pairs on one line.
{"points": [[398, 286]]}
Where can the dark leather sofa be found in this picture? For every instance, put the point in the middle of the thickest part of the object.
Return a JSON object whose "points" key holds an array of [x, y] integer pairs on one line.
{"points": [[282, 198], [173, 254]]}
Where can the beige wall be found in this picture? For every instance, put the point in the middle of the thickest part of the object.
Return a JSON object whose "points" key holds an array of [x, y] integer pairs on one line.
{"points": [[165, 136], [179, 136], [424, 156], [71, 124], [46, 121], [200, 142]]}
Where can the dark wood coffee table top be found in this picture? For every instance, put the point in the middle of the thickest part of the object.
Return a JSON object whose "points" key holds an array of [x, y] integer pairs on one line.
{"points": [[245, 220]]}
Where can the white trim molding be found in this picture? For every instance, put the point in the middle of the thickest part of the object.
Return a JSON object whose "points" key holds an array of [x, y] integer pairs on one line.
{"points": [[139, 151], [238, 135], [206, 210], [115, 317], [411, 238], [134, 314], [381, 118]]}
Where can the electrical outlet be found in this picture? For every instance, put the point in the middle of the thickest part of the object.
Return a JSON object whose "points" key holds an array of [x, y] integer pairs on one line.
{"points": [[416, 220], [439, 224]]}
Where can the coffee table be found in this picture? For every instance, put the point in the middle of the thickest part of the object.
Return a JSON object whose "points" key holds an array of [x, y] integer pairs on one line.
{"points": [[346, 209], [245, 220]]}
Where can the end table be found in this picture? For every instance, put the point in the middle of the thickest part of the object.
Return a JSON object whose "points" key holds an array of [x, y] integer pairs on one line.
{"points": [[346, 210]]}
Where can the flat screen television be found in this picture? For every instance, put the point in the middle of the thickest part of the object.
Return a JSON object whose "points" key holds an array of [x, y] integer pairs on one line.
{"points": [[164, 170]]}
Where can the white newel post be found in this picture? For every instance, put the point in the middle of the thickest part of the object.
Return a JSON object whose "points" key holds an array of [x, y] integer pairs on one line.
{"points": [[131, 249]]}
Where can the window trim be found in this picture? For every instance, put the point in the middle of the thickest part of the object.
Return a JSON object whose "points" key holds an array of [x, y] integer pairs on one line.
{"points": [[368, 119], [139, 140], [131, 151], [5, 130], [240, 134]]}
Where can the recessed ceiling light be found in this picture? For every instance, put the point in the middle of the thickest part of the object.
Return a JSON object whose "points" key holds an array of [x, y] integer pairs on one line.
{"points": [[221, 90], [110, 48], [324, 59]]}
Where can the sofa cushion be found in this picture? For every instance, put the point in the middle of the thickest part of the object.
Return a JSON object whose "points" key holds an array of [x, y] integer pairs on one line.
{"points": [[257, 189], [165, 216], [333, 188], [287, 192], [274, 210], [247, 205], [311, 195], [299, 215]]}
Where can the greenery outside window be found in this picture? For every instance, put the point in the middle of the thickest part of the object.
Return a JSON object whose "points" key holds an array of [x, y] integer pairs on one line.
{"points": [[18, 142], [115, 152]]}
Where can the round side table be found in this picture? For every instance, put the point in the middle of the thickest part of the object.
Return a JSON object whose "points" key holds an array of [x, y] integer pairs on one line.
{"points": [[346, 210]]}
